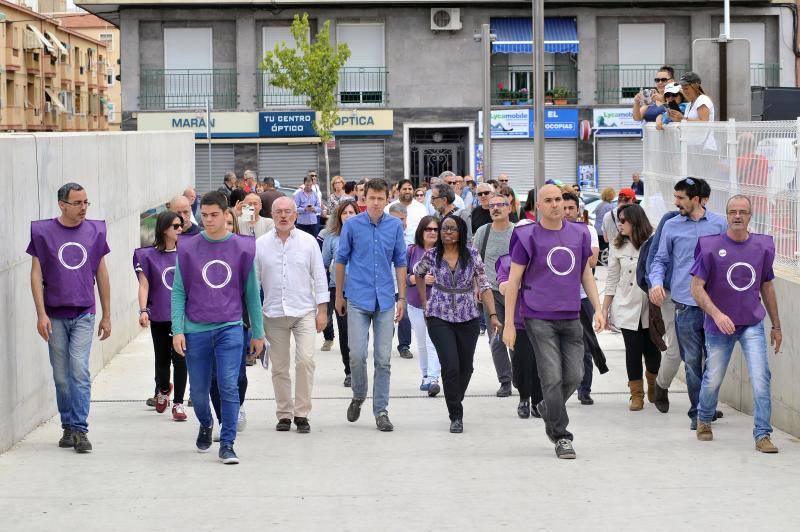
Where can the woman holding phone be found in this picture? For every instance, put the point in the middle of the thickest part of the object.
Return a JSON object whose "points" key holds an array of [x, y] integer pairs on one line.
{"points": [[648, 104], [155, 269]]}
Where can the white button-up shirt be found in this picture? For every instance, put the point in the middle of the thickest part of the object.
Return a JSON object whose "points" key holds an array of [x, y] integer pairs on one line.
{"points": [[291, 274]]}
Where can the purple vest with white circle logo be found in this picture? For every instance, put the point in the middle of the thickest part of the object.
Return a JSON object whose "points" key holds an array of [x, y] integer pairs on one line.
{"points": [[69, 257], [214, 276], [158, 268]]}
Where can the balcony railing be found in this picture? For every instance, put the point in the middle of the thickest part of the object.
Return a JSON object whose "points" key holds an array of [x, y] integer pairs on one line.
{"points": [[765, 75], [512, 85], [620, 83], [187, 89], [362, 87]]}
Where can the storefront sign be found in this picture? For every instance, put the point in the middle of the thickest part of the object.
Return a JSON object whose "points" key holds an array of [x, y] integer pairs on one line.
{"points": [[221, 125], [615, 121], [519, 123], [286, 124], [364, 122]]}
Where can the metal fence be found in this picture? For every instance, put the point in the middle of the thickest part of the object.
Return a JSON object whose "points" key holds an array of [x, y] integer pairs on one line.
{"points": [[187, 88], [620, 83], [765, 75], [358, 87], [758, 159]]}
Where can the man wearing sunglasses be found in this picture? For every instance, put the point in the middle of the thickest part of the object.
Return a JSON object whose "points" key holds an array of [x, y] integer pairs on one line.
{"points": [[492, 241], [481, 214], [67, 257]]}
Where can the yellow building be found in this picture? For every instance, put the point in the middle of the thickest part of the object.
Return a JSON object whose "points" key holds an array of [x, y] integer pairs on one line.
{"points": [[51, 78]]}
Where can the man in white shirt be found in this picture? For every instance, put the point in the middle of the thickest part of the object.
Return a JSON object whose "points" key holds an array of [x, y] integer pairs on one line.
{"points": [[251, 223], [572, 214], [290, 270], [415, 211]]}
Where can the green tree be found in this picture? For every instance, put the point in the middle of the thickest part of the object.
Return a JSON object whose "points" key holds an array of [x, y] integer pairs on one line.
{"points": [[310, 70]]}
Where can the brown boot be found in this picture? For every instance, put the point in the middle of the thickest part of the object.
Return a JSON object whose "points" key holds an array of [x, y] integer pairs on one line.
{"points": [[637, 395], [651, 386]]}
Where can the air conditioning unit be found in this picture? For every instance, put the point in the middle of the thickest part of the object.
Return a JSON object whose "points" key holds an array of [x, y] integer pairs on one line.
{"points": [[445, 19]]}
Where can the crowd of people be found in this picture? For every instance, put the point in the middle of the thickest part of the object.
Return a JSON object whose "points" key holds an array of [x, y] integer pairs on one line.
{"points": [[237, 276]]}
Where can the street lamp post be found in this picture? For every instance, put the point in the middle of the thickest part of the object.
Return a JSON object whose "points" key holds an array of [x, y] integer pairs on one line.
{"points": [[538, 93], [486, 42]]}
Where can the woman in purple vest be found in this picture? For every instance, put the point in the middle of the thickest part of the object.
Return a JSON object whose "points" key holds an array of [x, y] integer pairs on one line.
{"points": [[424, 239], [451, 312], [155, 270]]}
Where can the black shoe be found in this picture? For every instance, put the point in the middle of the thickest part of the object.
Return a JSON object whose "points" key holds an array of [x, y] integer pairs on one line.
{"points": [[524, 410], [354, 410], [505, 390], [535, 412], [456, 426], [284, 425], [250, 362], [383, 423], [717, 415], [348, 382], [226, 454], [203, 440], [434, 389], [585, 399], [302, 424], [151, 402], [66, 440], [564, 449], [81, 442], [405, 353], [662, 399]]}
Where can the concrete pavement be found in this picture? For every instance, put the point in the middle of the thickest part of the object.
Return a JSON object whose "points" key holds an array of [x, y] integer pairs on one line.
{"points": [[634, 469]]}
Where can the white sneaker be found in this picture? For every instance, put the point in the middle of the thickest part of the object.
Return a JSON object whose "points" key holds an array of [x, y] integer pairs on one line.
{"points": [[241, 423]]}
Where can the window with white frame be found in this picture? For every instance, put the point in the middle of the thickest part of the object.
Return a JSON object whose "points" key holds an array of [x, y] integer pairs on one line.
{"points": [[363, 80], [108, 38], [270, 95], [110, 78], [189, 63]]}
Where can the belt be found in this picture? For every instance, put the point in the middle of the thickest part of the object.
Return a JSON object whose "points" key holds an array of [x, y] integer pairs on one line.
{"points": [[683, 306], [449, 290]]}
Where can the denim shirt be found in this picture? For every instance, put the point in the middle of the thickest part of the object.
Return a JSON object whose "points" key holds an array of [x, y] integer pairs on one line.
{"points": [[452, 296], [676, 249], [371, 252]]}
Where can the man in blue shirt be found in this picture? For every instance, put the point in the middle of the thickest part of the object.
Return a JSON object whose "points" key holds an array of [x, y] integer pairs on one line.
{"points": [[676, 250], [372, 247], [309, 207]]}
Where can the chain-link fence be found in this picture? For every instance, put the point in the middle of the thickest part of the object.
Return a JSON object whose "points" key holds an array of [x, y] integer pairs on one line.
{"points": [[758, 159]]}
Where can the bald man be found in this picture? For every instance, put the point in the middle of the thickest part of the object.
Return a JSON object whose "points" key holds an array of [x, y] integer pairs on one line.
{"points": [[550, 260], [180, 205]]}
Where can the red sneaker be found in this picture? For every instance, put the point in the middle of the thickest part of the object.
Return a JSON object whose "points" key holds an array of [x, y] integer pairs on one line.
{"points": [[162, 400], [178, 413]]}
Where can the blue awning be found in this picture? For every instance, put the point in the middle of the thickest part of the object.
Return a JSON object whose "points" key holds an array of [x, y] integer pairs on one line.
{"points": [[515, 36]]}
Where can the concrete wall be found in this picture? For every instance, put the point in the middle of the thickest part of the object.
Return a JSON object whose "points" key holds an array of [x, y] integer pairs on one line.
{"points": [[124, 174]]}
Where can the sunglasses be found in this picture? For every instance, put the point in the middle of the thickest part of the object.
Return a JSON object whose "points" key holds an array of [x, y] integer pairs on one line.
{"points": [[484, 193], [498, 205], [622, 221], [431, 229], [502, 180], [420, 195], [661, 80], [176, 226], [451, 183]]}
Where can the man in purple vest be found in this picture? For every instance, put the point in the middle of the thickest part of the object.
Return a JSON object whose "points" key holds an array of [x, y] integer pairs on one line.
{"points": [[549, 264], [68, 256], [214, 276], [732, 272]]}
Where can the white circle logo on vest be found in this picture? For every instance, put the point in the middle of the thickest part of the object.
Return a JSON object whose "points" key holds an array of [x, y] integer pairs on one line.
{"points": [[550, 260], [752, 276], [227, 270], [164, 277], [64, 246], [723, 252]]}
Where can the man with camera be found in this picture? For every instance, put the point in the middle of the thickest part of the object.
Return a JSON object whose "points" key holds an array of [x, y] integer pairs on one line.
{"points": [[251, 223], [309, 208]]}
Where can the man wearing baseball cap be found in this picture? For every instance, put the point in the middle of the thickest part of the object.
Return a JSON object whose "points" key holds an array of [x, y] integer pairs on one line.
{"points": [[610, 229]]}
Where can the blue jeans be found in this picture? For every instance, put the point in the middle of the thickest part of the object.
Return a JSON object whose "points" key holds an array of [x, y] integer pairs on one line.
{"points": [[241, 383], [404, 329], [691, 342], [70, 345], [358, 322], [588, 363], [719, 348], [222, 347]]}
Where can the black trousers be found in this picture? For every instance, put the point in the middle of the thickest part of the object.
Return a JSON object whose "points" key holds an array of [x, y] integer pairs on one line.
{"points": [[523, 365], [341, 324], [161, 331], [455, 345], [637, 345]]}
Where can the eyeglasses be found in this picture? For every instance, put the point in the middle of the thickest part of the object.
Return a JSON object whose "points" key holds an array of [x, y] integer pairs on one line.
{"points": [[738, 213], [661, 80], [420, 195], [431, 229], [77, 203], [503, 181], [498, 205], [436, 197], [176, 226], [451, 183], [484, 193], [449, 229]]}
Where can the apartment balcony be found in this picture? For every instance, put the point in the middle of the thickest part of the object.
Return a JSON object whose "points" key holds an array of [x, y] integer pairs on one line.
{"points": [[67, 121], [33, 62], [765, 75], [618, 84], [66, 71], [13, 59], [358, 87], [12, 118], [51, 120], [34, 118], [187, 89], [49, 69], [512, 85]]}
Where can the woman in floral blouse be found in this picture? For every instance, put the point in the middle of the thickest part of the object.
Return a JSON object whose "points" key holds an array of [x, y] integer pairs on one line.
{"points": [[451, 311]]}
